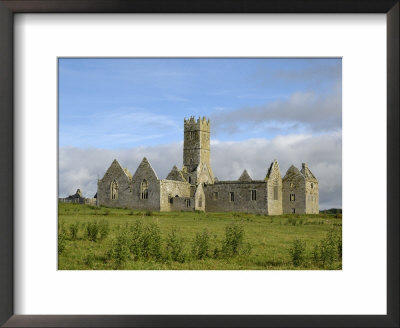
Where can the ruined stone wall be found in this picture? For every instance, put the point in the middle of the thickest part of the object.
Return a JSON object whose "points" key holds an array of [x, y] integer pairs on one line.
{"points": [[170, 189], [183, 204], [91, 201], [153, 200], [123, 199], [312, 197], [274, 190], [242, 197], [200, 199], [293, 184], [204, 174]]}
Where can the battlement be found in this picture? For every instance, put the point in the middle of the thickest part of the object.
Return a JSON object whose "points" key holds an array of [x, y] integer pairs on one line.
{"points": [[199, 124]]}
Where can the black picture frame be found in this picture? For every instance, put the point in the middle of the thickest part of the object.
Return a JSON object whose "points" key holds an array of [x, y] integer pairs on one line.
{"points": [[10, 7]]}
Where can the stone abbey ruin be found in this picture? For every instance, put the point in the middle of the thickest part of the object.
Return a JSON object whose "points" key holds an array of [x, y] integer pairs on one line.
{"points": [[194, 187]]}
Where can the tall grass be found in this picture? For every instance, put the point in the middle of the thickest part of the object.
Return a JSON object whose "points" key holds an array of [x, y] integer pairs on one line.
{"points": [[200, 245], [127, 239], [297, 252]]}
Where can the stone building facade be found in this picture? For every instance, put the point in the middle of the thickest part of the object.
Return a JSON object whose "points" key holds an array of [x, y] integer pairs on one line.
{"points": [[194, 187]]}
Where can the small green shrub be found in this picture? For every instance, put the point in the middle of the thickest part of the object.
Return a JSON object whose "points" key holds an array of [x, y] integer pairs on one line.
{"points": [[92, 230], [151, 242], [89, 259], [73, 230], [175, 247], [104, 229], [297, 252], [62, 241], [201, 245], [62, 236], [233, 242], [136, 239], [120, 251], [339, 245], [328, 250]]}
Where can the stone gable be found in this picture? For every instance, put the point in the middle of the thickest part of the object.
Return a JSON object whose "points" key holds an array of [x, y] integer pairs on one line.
{"points": [[176, 175], [144, 170], [274, 189], [245, 177]]}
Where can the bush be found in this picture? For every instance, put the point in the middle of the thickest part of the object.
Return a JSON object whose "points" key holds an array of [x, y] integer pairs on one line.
{"points": [[328, 250], [151, 241], [62, 236], [200, 245], [62, 241], [339, 245], [92, 230], [136, 242], [89, 259], [233, 242], [73, 230], [297, 252], [104, 229], [120, 251], [175, 247]]}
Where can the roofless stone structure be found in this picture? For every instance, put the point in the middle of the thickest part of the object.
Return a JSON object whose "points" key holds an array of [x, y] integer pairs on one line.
{"points": [[194, 187]]}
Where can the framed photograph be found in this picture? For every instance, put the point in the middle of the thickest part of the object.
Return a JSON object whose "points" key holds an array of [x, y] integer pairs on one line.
{"points": [[163, 165]]}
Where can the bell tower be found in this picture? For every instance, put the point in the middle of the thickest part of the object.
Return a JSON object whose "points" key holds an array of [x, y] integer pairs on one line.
{"points": [[196, 143]]}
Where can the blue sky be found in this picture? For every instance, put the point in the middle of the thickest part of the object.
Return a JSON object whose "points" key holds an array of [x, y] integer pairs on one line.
{"points": [[260, 110], [120, 103]]}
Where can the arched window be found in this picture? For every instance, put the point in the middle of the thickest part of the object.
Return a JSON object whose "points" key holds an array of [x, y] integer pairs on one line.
{"points": [[114, 190], [144, 192], [190, 179]]}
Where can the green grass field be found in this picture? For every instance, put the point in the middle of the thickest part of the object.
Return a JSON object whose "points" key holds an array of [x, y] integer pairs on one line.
{"points": [[266, 242]]}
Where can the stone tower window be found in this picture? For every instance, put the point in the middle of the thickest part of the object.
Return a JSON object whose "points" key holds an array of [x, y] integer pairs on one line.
{"points": [[232, 196], [291, 185], [292, 197], [187, 202], [215, 195], [200, 201], [191, 135], [312, 185], [253, 195], [114, 190], [144, 191], [293, 210], [275, 192], [190, 179]]}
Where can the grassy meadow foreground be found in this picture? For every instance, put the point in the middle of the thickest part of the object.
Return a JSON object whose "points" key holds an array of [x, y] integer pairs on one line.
{"points": [[99, 238]]}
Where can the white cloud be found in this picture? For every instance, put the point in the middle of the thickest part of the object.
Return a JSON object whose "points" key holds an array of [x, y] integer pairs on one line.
{"points": [[308, 111], [80, 168]]}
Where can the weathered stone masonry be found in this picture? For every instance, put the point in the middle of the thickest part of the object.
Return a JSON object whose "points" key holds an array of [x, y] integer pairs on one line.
{"points": [[194, 187]]}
